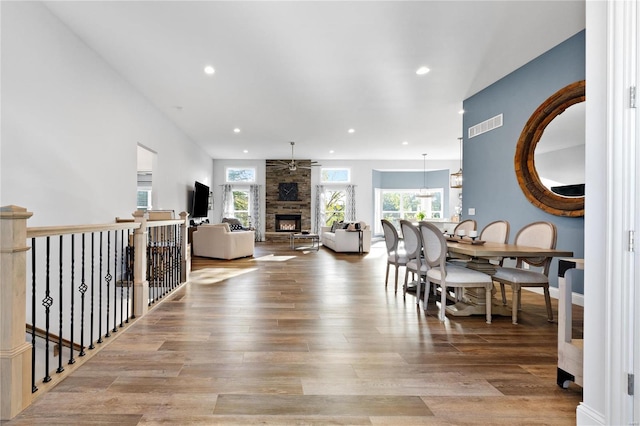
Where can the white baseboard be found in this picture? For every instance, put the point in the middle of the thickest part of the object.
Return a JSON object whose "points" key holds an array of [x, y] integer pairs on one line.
{"points": [[587, 416], [576, 298]]}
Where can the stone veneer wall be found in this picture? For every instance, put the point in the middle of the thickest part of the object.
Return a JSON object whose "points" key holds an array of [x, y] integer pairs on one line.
{"points": [[276, 174]]}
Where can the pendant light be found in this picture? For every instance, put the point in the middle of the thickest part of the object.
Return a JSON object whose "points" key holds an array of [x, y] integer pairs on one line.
{"points": [[424, 192], [455, 180]]}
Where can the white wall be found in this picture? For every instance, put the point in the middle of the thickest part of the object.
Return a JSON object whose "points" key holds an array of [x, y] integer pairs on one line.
{"points": [[71, 125]]}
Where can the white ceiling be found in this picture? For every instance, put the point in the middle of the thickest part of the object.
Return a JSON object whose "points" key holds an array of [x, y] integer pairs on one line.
{"points": [[308, 71]]}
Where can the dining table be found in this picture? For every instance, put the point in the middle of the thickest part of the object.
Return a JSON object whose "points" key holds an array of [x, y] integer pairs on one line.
{"points": [[484, 257]]}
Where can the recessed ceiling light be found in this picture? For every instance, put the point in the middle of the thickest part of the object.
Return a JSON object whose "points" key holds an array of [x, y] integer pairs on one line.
{"points": [[351, 130], [422, 70], [461, 111], [245, 151], [405, 143], [331, 151], [236, 130], [209, 70]]}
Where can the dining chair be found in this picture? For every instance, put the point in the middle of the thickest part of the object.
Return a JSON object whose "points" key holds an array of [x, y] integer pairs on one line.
{"points": [[415, 263], [396, 255], [536, 234], [466, 225], [439, 272], [495, 232]]}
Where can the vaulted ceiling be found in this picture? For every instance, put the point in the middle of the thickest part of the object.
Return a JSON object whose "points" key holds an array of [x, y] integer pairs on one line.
{"points": [[309, 71]]}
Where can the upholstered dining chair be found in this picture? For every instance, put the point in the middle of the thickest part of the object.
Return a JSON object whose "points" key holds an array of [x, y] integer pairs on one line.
{"points": [[496, 232], [537, 234], [439, 272], [396, 254], [466, 225], [415, 263]]}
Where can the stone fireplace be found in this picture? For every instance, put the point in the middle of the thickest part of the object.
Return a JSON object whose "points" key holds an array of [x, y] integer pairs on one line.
{"points": [[288, 200], [288, 223]]}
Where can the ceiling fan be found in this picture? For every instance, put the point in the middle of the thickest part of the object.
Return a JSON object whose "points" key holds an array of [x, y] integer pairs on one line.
{"points": [[293, 165]]}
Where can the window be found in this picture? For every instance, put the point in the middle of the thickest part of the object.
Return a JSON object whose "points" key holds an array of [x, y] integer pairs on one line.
{"points": [[236, 174], [241, 206], [333, 175], [144, 199], [334, 205], [405, 204]]}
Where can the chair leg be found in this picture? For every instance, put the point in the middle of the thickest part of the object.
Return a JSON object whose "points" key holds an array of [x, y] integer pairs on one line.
{"points": [[404, 287], [396, 290], [443, 301], [504, 296], [418, 290], [514, 303], [386, 277], [425, 298], [547, 299], [488, 301]]}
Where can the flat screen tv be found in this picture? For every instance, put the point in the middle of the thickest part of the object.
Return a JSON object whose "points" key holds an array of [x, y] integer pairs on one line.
{"points": [[200, 206]]}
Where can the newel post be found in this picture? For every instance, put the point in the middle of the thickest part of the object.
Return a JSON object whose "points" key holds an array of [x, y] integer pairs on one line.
{"points": [[185, 258], [140, 282], [15, 352]]}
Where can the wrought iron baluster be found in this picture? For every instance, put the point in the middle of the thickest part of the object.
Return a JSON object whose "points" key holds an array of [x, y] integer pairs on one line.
{"points": [[133, 293], [123, 276], [100, 293], [93, 274], [60, 367], [73, 276], [83, 289], [47, 302], [34, 388], [115, 282], [107, 279], [129, 260]]}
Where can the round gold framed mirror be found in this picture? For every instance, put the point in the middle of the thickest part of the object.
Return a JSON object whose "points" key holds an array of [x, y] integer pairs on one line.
{"points": [[524, 161]]}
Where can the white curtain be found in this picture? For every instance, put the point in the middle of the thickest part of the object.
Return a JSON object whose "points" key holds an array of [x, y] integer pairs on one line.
{"points": [[319, 213], [227, 201], [350, 208], [255, 212]]}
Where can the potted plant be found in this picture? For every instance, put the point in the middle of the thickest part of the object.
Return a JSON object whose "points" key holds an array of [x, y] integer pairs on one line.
{"points": [[420, 216]]}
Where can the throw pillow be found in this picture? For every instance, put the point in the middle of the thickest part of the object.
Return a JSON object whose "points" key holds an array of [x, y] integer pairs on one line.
{"points": [[236, 227], [231, 221]]}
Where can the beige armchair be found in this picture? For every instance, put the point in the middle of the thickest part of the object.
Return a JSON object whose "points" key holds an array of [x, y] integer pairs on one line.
{"points": [[219, 242]]}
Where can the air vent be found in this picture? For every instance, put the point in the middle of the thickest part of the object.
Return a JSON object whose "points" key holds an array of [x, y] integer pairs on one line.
{"points": [[485, 126]]}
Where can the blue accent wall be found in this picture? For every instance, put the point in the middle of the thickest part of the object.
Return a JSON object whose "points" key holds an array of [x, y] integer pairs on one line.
{"points": [[490, 184]]}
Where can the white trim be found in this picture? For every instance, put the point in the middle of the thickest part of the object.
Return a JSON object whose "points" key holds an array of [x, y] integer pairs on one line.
{"points": [[554, 292], [619, 261], [587, 416]]}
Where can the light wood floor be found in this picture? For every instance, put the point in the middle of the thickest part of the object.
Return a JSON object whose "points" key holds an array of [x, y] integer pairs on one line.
{"points": [[313, 338]]}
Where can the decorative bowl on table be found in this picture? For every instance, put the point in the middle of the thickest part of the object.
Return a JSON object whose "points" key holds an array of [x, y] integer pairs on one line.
{"points": [[305, 231]]}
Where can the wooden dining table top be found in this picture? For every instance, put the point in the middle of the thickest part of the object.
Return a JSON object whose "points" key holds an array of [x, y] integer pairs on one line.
{"points": [[490, 249]]}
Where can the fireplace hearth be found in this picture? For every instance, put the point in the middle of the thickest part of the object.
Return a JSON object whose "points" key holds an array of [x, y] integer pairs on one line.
{"points": [[288, 223]]}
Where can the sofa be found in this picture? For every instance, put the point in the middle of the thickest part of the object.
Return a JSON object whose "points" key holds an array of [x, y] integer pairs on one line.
{"points": [[339, 239], [219, 242]]}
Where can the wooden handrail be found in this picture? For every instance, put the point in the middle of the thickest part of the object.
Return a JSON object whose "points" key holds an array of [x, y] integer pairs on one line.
{"points": [[47, 231], [42, 334]]}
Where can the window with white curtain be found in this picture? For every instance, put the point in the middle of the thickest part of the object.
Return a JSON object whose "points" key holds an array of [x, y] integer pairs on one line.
{"points": [[242, 206], [335, 204]]}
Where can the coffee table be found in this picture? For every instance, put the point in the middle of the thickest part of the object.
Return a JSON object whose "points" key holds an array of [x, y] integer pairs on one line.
{"points": [[315, 240]]}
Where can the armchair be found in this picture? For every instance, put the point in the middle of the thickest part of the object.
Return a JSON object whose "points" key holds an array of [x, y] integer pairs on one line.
{"points": [[218, 241]]}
